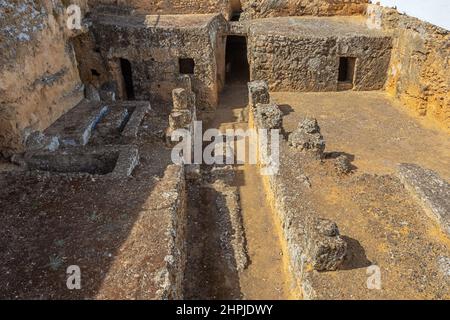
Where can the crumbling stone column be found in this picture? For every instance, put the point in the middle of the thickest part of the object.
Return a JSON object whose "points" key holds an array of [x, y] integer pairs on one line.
{"points": [[268, 116], [326, 249], [258, 92], [307, 137], [184, 82]]}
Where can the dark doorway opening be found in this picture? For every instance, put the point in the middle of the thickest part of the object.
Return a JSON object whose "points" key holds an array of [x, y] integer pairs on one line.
{"points": [[236, 15], [236, 61], [236, 10], [187, 65], [127, 74], [346, 69]]}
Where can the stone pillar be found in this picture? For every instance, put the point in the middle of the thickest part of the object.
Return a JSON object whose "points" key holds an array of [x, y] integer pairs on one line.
{"points": [[183, 112], [180, 99], [268, 116], [258, 92], [307, 137]]}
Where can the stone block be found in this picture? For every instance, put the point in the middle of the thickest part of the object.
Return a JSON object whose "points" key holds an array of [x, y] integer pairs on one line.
{"points": [[39, 141], [258, 92], [430, 190], [180, 99], [269, 116], [307, 137], [179, 119]]}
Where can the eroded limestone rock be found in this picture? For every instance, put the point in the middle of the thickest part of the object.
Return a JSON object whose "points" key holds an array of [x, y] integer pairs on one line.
{"points": [[327, 249], [39, 141], [307, 137], [343, 164], [269, 116], [92, 93], [430, 189], [258, 92]]}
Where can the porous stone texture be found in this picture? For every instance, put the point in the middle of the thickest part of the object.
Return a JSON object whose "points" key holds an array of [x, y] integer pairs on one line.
{"points": [[138, 110], [288, 52], [326, 248], [113, 122], [154, 46], [183, 111], [307, 137], [419, 73], [114, 162], [312, 242], [227, 204], [128, 245], [431, 191], [258, 92], [108, 91], [272, 8], [268, 116], [171, 6], [251, 9], [91, 93], [39, 141], [343, 164], [39, 79]]}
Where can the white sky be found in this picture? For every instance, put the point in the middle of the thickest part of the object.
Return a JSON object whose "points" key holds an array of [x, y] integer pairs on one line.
{"points": [[435, 11]]}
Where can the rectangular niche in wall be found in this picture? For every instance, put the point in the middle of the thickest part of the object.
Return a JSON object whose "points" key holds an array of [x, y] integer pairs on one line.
{"points": [[187, 65], [346, 73]]}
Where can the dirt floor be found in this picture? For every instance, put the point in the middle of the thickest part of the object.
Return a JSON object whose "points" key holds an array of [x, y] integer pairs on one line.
{"points": [[382, 224], [265, 275], [115, 231], [371, 127]]}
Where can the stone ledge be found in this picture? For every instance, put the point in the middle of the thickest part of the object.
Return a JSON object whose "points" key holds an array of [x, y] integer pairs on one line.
{"points": [[430, 190]]}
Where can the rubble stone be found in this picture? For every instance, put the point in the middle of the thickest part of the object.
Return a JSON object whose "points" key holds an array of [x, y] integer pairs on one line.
{"points": [[307, 137], [258, 92], [343, 164], [39, 141], [269, 116]]}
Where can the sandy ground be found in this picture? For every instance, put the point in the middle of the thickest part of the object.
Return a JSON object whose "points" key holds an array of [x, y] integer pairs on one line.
{"points": [[266, 275], [378, 132], [382, 224]]}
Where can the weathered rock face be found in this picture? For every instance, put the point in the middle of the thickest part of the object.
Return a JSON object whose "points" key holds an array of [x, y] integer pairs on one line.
{"points": [[275, 8], [258, 92], [269, 116], [251, 9], [432, 192], [326, 248], [304, 54], [343, 164], [183, 111], [307, 137], [39, 141], [171, 6], [419, 71], [39, 79]]}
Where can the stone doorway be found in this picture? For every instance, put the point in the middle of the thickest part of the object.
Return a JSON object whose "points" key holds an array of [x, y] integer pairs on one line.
{"points": [[237, 67]]}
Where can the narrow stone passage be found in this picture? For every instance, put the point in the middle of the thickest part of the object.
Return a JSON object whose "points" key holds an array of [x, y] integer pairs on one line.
{"points": [[267, 275], [234, 246]]}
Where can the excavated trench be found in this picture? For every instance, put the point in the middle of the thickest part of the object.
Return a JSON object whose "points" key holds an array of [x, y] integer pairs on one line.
{"points": [[234, 242]]}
